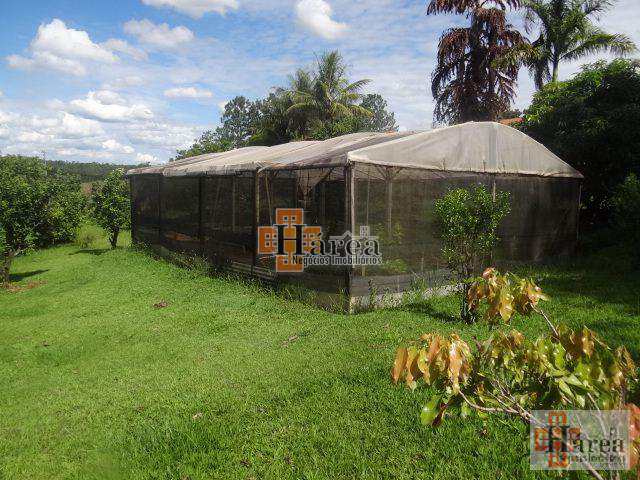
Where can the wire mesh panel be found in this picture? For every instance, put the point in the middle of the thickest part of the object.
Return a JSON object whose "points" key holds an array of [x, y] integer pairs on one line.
{"points": [[543, 222], [228, 218], [398, 206], [180, 213], [321, 193], [218, 216], [145, 208]]}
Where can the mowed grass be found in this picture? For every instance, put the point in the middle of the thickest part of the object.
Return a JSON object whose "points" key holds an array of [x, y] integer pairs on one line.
{"points": [[230, 381]]}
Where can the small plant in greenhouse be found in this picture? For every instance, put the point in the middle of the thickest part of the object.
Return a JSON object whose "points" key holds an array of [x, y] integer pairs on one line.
{"points": [[467, 222], [111, 205]]}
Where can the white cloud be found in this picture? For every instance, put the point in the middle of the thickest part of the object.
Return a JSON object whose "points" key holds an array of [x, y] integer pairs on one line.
{"points": [[122, 46], [195, 8], [80, 153], [65, 42], [70, 126], [124, 82], [54, 104], [187, 92], [109, 97], [114, 146], [110, 107], [5, 117], [32, 137], [47, 60], [163, 135], [316, 16], [146, 158], [60, 48], [159, 35]]}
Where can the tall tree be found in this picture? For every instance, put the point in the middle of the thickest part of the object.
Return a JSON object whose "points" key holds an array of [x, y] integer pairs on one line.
{"points": [[240, 121], [467, 83], [332, 95], [566, 33], [381, 119]]}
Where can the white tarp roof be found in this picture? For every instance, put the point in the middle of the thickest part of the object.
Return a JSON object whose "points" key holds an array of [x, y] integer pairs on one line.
{"points": [[484, 147]]}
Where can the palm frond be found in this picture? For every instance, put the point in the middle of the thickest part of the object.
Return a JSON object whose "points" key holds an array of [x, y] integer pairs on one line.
{"points": [[598, 41]]}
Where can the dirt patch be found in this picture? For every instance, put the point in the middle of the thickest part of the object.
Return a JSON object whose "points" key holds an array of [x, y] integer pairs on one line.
{"points": [[15, 288]]}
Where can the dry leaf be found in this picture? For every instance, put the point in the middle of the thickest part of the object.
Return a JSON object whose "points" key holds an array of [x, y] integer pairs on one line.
{"points": [[398, 364]]}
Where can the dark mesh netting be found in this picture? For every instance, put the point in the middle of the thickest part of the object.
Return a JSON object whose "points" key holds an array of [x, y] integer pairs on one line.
{"points": [[145, 208], [321, 193], [397, 205], [218, 217], [180, 213], [543, 222], [228, 218]]}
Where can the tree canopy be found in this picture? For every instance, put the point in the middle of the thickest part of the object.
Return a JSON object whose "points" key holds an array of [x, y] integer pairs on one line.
{"points": [[315, 104], [566, 32], [38, 207], [468, 84], [111, 205], [591, 122]]}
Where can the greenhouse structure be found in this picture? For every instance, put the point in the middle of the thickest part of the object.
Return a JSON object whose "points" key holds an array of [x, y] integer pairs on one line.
{"points": [[214, 205]]}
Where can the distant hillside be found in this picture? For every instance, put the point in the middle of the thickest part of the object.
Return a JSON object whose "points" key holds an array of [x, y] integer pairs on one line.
{"points": [[88, 172]]}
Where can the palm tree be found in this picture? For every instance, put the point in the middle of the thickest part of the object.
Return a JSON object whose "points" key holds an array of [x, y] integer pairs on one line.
{"points": [[462, 6], [327, 94], [468, 84], [566, 33]]}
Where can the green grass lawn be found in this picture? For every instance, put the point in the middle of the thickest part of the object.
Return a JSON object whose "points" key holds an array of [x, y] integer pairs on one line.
{"points": [[231, 381]]}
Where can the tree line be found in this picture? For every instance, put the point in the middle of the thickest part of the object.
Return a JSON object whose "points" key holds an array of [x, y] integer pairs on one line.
{"points": [[315, 105], [41, 206], [87, 171]]}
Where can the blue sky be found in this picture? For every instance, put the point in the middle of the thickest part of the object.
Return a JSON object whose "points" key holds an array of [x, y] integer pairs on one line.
{"points": [[130, 81]]}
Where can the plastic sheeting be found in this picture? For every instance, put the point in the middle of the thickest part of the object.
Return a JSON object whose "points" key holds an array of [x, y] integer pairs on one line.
{"points": [[483, 147]]}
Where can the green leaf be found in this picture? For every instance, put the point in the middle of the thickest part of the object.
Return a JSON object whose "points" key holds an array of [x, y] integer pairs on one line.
{"points": [[430, 411], [465, 410]]}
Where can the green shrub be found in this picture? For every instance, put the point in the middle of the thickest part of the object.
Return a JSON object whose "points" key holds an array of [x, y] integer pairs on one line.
{"points": [[111, 205], [88, 235], [38, 207], [625, 205], [467, 221]]}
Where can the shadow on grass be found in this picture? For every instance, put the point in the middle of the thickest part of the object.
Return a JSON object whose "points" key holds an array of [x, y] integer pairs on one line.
{"points": [[603, 287], [18, 277], [428, 309], [91, 251]]}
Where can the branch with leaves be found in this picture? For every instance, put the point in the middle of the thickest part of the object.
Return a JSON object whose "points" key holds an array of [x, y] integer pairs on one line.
{"points": [[509, 374]]}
